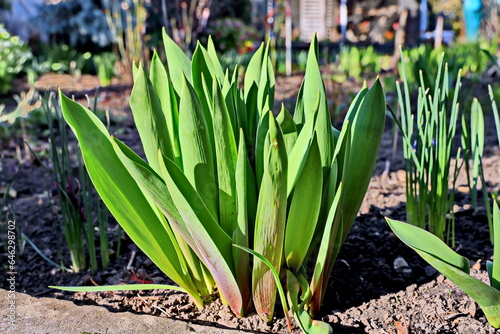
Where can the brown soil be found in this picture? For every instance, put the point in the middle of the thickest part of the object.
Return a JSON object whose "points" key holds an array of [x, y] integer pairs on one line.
{"points": [[367, 293]]}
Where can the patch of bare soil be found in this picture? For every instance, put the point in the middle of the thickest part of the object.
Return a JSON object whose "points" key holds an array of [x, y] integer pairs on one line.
{"points": [[378, 285]]}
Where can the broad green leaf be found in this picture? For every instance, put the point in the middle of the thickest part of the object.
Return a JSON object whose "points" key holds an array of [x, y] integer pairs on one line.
{"points": [[367, 129], [253, 72], [265, 95], [356, 102], [298, 155], [241, 236], [328, 250], [164, 90], [197, 157], [226, 153], [270, 222], [135, 69], [155, 189], [203, 69], [450, 264], [219, 71], [313, 83], [212, 242], [120, 192], [426, 242], [179, 65], [149, 119], [251, 93], [287, 125], [260, 156], [304, 209], [230, 96]]}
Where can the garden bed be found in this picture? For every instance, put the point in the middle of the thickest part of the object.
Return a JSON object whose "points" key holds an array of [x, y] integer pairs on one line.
{"points": [[371, 289]]}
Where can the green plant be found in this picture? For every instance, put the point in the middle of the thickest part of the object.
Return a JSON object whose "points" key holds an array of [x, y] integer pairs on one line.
{"points": [[428, 144], [61, 58], [223, 170], [457, 267], [495, 112], [105, 64], [352, 62], [76, 197], [14, 54]]}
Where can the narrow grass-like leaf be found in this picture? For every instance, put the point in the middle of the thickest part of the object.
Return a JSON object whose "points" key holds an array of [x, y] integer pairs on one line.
{"points": [[120, 287], [477, 145], [495, 270]]}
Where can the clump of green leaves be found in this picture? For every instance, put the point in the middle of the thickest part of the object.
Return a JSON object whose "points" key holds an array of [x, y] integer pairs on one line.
{"points": [[81, 210], [428, 137], [223, 170]]}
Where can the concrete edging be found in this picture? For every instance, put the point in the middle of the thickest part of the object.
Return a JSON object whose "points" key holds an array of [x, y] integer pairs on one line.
{"points": [[50, 315]]}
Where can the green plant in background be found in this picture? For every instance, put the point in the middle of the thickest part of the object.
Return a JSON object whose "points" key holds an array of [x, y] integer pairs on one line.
{"points": [[457, 268], [60, 58], [105, 65], [428, 139], [81, 209], [14, 54], [127, 22], [352, 62], [470, 58], [223, 170]]}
